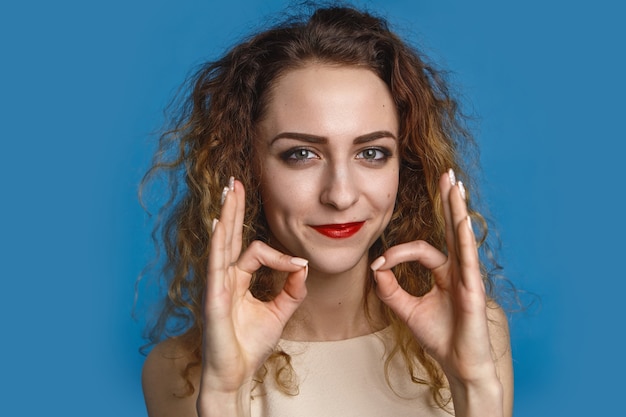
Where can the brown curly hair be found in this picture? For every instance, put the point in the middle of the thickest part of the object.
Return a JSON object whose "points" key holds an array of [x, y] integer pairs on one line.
{"points": [[212, 138]]}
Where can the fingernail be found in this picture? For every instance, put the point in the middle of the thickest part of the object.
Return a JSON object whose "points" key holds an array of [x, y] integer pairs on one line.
{"points": [[469, 224], [231, 183], [213, 225], [380, 261], [462, 189], [224, 194], [299, 262], [452, 176]]}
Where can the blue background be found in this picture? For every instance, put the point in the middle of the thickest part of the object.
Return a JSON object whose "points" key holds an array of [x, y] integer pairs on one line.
{"points": [[82, 89]]}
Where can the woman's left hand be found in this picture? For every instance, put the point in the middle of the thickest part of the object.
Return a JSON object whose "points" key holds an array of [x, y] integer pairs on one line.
{"points": [[451, 321]]}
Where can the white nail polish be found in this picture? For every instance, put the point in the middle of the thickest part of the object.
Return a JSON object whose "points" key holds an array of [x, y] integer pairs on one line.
{"points": [[452, 176], [231, 183], [380, 261], [469, 224], [462, 189], [299, 262], [224, 194], [215, 221]]}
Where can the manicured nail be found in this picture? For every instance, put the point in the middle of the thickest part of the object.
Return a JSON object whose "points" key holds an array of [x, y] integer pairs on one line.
{"points": [[469, 224], [299, 262], [462, 189], [224, 194], [214, 224], [231, 183], [452, 176], [380, 261]]}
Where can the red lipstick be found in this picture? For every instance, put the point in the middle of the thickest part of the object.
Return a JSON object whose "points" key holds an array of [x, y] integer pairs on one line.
{"points": [[339, 231]]}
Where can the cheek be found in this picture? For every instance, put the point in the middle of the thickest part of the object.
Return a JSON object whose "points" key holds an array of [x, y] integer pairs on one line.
{"points": [[388, 187], [281, 195], [390, 205]]}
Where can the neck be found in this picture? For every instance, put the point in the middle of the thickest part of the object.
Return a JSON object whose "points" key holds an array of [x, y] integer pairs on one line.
{"points": [[334, 308]]}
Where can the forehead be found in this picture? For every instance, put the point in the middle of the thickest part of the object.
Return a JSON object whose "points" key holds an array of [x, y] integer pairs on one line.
{"points": [[330, 100]]}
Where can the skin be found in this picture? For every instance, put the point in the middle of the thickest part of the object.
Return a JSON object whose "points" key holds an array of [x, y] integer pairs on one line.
{"points": [[330, 156], [334, 174]]}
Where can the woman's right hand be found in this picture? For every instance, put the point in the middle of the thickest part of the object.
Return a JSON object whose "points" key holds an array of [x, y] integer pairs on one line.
{"points": [[240, 331]]}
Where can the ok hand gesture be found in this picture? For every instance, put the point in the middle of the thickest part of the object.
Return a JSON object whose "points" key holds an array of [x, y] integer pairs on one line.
{"points": [[451, 321], [240, 331]]}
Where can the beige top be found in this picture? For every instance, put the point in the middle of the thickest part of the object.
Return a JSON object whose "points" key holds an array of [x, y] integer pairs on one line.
{"points": [[343, 379]]}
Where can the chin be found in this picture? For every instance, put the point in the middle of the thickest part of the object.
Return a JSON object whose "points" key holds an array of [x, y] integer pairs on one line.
{"points": [[338, 264]]}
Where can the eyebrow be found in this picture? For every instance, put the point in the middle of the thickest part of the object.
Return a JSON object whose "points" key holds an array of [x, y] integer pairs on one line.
{"points": [[305, 137]]}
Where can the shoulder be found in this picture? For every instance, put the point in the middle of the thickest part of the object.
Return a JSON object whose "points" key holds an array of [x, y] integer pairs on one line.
{"points": [[166, 391]]}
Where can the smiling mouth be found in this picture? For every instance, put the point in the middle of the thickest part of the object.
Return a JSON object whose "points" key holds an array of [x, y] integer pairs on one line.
{"points": [[339, 231]]}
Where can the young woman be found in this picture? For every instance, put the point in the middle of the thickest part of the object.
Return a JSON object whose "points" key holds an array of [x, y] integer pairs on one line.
{"points": [[321, 257]]}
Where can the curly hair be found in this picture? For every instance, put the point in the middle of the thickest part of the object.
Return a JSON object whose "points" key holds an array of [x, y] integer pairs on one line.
{"points": [[212, 138]]}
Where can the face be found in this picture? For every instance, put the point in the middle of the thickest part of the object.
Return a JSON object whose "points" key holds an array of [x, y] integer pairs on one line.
{"points": [[329, 164]]}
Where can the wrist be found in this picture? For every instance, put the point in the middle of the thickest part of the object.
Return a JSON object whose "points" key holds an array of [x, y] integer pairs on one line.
{"points": [[213, 403], [478, 398]]}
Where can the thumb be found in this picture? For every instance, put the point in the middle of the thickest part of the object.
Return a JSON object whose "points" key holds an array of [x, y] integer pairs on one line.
{"points": [[392, 294], [291, 296]]}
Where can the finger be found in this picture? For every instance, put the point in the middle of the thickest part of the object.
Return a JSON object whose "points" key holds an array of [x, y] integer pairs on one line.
{"points": [[458, 207], [446, 183], [227, 219], [465, 241], [291, 296], [216, 263], [390, 293], [416, 251], [237, 239], [259, 253], [468, 256]]}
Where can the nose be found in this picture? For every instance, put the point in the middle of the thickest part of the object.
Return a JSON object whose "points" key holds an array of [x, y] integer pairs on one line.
{"points": [[340, 189]]}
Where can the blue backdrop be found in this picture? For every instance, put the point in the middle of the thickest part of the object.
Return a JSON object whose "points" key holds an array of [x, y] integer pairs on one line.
{"points": [[82, 88]]}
